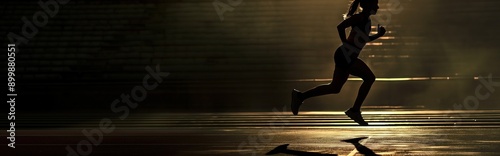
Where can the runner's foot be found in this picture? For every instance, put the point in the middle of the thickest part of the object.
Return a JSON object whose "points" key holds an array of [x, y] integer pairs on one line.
{"points": [[356, 116]]}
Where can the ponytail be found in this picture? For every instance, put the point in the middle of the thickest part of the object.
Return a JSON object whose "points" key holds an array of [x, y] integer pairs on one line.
{"points": [[352, 8]]}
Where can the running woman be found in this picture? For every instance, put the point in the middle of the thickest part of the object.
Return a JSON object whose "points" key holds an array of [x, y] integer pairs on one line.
{"points": [[346, 59]]}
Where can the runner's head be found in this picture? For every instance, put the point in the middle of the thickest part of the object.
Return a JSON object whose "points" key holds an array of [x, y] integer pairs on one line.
{"points": [[367, 6]]}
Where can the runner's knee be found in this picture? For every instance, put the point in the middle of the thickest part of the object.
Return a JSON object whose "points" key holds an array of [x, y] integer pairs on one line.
{"points": [[369, 79], [334, 88]]}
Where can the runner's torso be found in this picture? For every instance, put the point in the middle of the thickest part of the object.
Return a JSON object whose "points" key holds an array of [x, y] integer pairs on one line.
{"points": [[359, 32]]}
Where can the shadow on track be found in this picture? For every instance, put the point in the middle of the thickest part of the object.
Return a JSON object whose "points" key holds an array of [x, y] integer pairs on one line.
{"points": [[283, 149], [361, 148]]}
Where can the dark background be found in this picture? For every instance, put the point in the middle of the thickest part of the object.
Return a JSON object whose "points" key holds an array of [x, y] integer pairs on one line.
{"points": [[92, 51]]}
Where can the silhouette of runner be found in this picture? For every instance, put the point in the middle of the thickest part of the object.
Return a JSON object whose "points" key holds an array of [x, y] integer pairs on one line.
{"points": [[347, 61]]}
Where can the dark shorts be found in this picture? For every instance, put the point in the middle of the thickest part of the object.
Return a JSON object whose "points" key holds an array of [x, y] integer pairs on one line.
{"points": [[345, 56]]}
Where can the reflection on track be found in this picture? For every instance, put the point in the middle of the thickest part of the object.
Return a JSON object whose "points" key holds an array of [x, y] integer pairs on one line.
{"points": [[394, 132]]}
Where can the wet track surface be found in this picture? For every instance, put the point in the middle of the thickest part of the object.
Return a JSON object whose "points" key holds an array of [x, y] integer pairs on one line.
{"points": [[391, 132]]}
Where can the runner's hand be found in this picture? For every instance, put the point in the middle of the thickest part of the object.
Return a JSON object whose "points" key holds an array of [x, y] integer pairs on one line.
{"points": [[380, 30]]}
